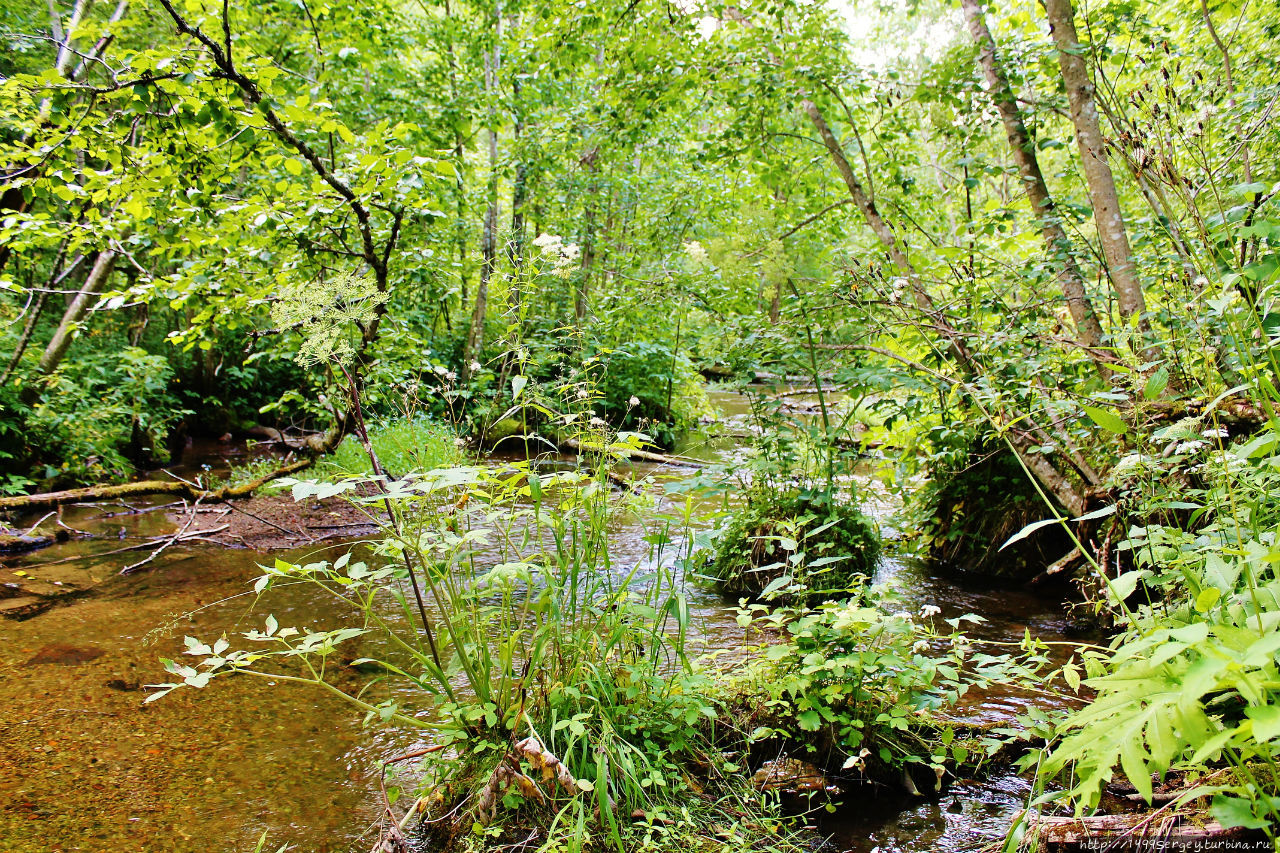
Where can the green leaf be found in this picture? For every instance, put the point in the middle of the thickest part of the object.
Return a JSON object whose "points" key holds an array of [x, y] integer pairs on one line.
{"points": [[1266, 722], [1098, 513], [1236, 811], [1207, 598], [1027, 531], [775, 585], [517, 385], [1107, 419], [1156, 384]]}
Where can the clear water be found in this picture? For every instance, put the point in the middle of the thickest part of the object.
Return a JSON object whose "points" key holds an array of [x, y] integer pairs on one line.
{"points": [[85, 765]]}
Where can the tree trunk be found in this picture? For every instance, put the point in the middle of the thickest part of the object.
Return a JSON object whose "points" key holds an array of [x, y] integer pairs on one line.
{"points": [[1057, 246], [1097, 172], [866, 205], [519, 195], [1053, 481], [489, 238], [459, 169], [590, 162], [93, 283]]}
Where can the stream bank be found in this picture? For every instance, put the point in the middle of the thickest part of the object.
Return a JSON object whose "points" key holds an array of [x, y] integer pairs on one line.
{"points": [[213, 770]]}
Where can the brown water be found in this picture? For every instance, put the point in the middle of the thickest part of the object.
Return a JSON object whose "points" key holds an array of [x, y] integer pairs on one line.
{"points": [[85, 765]]}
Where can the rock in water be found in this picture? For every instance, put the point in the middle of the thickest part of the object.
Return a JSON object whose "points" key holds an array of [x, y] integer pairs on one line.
{"points": [[66, 655]]}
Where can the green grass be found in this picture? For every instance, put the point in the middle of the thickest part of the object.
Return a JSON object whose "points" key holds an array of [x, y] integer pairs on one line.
{"points": [[402, 445]]}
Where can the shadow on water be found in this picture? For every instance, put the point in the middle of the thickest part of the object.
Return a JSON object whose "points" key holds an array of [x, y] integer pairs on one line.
{"points": [[86, 765]]}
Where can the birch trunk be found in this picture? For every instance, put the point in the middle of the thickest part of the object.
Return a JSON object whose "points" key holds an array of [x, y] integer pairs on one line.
{"points": [[79, 307], [1101, 183], [489, 238], [1056, 244]]}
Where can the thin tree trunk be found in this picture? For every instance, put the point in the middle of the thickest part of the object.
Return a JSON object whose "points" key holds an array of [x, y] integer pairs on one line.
{"points": [[1054, 482], [1057, 246], [1097, 172], [61, 341], [489, 238], [460, 191], [582, 291], [866, 205], [519, 195]]}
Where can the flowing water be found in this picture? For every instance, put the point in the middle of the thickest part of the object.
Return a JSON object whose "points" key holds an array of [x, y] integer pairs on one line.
{"points": [[86, 765]]}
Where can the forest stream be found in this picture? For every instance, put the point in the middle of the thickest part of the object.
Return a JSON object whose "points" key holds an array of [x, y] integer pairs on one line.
{"points": [[86, 765]]}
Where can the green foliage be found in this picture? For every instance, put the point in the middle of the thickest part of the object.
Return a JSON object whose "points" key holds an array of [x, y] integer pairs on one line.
{"points": [[975, 499], [647, 387], [861, 687], [403, 446], [1191, 681], [104, 414], [781, 547]]}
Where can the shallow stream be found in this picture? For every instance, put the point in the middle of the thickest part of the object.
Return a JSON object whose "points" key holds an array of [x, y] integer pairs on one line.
{"points": [[85, 765]]}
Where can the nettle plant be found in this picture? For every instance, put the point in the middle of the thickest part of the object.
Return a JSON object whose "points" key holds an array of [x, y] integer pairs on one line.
{"points": [[549, 677], [862, 685]]}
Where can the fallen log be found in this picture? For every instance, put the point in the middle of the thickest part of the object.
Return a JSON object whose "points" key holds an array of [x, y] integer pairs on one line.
{"points": [[1135, 831], [19, 544], [314, 447], [629, 453]]}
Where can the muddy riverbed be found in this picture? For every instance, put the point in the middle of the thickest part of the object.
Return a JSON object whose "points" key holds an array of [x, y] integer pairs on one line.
{"points": [[86, 765]]}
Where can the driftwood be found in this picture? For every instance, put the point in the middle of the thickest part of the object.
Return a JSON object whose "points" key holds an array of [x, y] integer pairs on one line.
{"points": [[1131, 832], [1072, 559], [641, 455]]}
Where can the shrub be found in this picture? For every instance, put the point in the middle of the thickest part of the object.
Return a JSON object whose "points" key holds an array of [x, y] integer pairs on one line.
{"points": [[402, 445], [859, 688], [104, 413], [799, 544], [977, 497], [666, 389]]}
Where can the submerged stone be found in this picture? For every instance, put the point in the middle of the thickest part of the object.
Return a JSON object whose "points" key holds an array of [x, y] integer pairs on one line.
{"points": [[66, 655]]}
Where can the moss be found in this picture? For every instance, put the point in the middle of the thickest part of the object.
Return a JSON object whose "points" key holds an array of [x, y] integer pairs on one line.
{"points": [[820, 545]]}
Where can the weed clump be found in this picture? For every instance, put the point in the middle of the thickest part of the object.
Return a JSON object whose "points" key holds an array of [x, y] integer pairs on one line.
{"points": [[796, 545], [402, 445]]}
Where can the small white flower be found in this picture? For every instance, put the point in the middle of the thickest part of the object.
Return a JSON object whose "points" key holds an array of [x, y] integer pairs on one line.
{"points": [[582, 393], [697, 254], [475, 366], [919, 646], [440, 370], [598, 422], [929, 610], [901, 614], [450, 375], [1216, 432], [1200, 282], [634, 401]]}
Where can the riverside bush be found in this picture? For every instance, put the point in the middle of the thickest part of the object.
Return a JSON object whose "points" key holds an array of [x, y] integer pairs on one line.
{"points": [[798, 545]]}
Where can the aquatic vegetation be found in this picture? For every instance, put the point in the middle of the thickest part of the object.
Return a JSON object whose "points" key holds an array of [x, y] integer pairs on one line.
{"points": [[555, 684], [780, 547]]}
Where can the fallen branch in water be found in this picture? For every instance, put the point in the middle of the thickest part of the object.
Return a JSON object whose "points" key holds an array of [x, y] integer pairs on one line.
{"points": [[176, 537]]}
